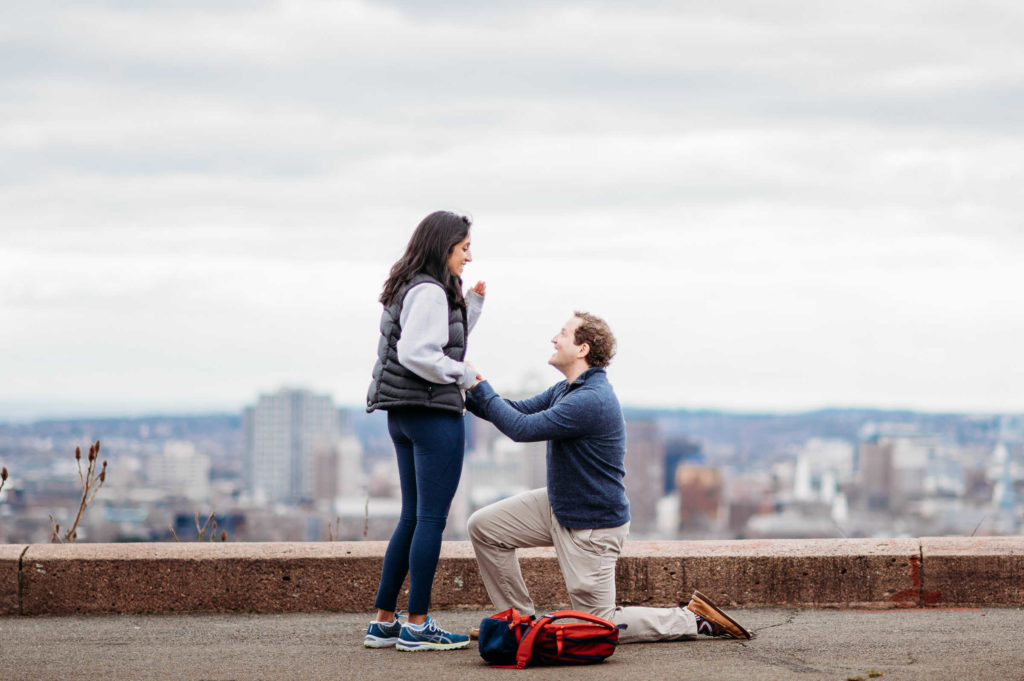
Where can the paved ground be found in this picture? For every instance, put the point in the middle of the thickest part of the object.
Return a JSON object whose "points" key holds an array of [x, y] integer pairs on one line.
{"points": [[791, 644]]}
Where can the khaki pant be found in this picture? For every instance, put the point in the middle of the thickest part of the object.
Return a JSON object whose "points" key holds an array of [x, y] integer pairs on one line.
{"points": [[587, 560]]}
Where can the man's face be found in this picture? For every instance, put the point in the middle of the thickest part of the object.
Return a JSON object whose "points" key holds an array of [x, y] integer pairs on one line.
{"points": [[566, 350]]}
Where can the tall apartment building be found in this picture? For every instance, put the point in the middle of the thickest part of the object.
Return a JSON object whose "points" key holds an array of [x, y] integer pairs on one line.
{"points": [[281, 431]]}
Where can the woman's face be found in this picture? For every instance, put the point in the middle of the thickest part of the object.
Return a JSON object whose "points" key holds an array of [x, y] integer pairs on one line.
{"points": [[459, 256]]}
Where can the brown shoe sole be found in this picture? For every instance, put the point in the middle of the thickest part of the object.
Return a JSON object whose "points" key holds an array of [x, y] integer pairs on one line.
{"points": [[709, 611]]}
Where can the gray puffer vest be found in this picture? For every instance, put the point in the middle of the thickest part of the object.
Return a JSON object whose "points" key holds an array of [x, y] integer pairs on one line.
{"points": [[395, 386]]}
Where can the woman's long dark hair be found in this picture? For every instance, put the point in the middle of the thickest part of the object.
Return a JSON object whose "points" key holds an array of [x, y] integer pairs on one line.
{"points": [[427, 253]]}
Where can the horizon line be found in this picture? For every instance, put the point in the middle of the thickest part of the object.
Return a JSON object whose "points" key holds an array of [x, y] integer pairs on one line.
{"points": [[35, 416]]}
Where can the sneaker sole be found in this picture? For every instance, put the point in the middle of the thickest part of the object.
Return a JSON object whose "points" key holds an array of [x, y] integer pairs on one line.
{"points": [[418, 647], [377, 642], [709, 611]]}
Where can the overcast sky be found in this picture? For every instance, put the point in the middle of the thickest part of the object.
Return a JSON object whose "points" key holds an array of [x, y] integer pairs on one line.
{"points": [[776, 205]]}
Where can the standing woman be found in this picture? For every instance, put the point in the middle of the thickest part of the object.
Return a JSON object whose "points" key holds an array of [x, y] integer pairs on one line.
{"points": [[420, 379]]}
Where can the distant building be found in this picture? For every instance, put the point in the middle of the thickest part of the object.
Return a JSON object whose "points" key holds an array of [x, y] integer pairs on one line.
{"points": [[821, 465], [497, 467], [680, 450], [875, 474], [1004, 494], [645, 473], [180, 471], [700, 498], [911, 458], [326, 472], [281, 431], [337, 469], [899, 464], [746, 496], [1006, 462], [790, 524]]}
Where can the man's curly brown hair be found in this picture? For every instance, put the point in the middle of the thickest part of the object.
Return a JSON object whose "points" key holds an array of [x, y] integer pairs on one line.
{"points": [[595, 332]]}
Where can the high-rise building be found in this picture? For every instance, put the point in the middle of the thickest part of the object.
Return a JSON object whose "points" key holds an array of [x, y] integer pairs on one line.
{"points": [[645, 474], [876, 474], [281, 431]]}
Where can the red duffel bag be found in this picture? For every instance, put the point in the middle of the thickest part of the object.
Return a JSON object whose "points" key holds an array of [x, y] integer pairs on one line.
{"points": [[548, 640]]}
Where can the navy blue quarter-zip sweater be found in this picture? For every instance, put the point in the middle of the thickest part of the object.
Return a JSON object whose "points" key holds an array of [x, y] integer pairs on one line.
{"points": [[586, 435]]}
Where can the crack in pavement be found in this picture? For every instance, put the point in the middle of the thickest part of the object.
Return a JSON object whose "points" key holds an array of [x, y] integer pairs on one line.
{"points": [[789, 620]]}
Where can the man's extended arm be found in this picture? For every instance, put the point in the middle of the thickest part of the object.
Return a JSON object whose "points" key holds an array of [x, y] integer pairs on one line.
{"points": [[570, 418], [530, 405]]}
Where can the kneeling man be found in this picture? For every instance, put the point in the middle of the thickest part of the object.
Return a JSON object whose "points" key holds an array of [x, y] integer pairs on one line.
{"points": [[583, 512]]}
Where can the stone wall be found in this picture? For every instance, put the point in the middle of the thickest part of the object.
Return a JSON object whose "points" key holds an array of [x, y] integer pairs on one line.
{"points": [[55, 579]]}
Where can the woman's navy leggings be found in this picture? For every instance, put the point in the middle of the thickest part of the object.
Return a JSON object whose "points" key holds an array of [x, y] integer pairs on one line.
{"points": [[430, 445]]}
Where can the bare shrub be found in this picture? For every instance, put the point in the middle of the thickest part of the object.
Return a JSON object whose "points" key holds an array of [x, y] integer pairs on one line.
{"points": [[91, 481], [201, 531]]}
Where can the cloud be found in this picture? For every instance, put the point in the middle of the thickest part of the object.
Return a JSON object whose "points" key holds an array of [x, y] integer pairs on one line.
{"points": [[796, 204]]}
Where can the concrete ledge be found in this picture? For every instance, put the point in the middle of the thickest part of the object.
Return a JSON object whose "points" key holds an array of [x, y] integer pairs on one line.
{"points": [[813, 572], [10, 560], [342, 576], [972, 571], [199, 577]]}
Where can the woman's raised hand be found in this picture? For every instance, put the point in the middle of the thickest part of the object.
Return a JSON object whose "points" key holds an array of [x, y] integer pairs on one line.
{"points": [[480, 288], [479, 377]]}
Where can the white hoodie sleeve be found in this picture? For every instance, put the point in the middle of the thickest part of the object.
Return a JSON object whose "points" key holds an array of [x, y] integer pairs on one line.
{"points": [[424, 323], [474, 306]]}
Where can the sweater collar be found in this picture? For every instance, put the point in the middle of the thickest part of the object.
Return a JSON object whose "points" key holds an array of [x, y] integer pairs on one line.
{"points": [[584, 377]]}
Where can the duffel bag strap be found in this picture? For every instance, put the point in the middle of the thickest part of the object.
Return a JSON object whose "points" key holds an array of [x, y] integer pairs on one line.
{"points": [[578, 615], [525, 651], [515, 619]]}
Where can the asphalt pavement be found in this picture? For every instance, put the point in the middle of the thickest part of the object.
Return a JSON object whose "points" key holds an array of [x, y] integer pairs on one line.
{"points": [[932, 644]]}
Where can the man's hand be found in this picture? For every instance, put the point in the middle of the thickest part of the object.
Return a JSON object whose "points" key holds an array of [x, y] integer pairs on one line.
{"points": [[480, 288], [479, 378]]}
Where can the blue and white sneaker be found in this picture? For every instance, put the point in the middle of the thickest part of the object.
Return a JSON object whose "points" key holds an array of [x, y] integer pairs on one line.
{"points": [[429, 636], [382, 634]]}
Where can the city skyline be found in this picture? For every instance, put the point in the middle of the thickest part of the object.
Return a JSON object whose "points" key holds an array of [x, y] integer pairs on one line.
{"points": [[777, 206], [689, 475]]}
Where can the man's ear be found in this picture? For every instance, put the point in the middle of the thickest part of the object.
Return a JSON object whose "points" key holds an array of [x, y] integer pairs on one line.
{"points": [[583, 351]]}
